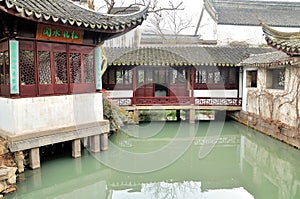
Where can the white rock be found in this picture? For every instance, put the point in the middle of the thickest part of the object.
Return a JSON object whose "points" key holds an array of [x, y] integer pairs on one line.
{"points": [[12, 180]]}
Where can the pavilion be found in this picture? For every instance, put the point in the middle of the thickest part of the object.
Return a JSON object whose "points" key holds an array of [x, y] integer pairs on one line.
{"points": [[50, 63]]}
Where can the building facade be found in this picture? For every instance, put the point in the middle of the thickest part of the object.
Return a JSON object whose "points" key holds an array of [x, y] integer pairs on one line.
{"points": [[238, 22], [272, 88], [199, 75], [50, 63]]}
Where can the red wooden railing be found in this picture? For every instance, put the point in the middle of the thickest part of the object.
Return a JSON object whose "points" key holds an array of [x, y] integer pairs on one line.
{"points": [[172, 100], [218, 101]]}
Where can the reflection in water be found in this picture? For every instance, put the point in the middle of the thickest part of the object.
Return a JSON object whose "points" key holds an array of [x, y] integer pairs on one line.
{"points": [[243, 164], [184, 190]]}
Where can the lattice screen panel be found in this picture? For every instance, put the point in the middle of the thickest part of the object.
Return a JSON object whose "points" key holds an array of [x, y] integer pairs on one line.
{"points": [[88, 68], [1, 69], [60, 64], [6, 62], [27, 67], [44, 67], [75, 69]]}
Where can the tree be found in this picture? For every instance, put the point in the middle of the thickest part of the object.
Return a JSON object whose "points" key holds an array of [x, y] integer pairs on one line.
{"points": [[166, 19], [171, 21]]}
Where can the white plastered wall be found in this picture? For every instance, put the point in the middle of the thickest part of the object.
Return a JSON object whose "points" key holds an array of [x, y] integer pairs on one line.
{"points": [[275, 104], [216, 93], [208, 27], [120, 93], [30, 115]]}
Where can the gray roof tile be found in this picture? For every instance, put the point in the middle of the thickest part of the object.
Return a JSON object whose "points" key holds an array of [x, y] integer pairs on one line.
{"points": [[269, 58], [181, 56], [248, 12], [288, 42], [68, 13]]}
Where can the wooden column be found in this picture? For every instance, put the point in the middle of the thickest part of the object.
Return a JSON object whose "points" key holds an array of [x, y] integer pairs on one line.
{"points": [[192, 100], [134, 86]]}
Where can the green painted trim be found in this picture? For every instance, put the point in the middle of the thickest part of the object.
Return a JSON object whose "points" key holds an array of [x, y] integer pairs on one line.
{"points": [[98, 63], [14, 66]]}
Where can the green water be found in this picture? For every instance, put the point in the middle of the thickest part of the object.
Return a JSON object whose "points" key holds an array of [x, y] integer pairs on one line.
{"points": [[172, 160]]}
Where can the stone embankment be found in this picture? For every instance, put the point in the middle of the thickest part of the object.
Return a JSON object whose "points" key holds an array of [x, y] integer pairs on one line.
{"points": [[8, 169], [276, 129]]}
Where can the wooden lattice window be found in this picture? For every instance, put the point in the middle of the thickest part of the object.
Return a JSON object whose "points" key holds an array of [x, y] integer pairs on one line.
{"points": [[2, 77], [141, 76], [201, 76], [75, 68], [124, 76], [44, 67], [60, 65], [27, 67], [89, 70], [6, 67]]}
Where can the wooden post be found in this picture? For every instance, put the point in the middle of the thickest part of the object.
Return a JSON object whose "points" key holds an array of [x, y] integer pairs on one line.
{"points": [[134, 81], [76, 148], [34, 158], [192, 99]]}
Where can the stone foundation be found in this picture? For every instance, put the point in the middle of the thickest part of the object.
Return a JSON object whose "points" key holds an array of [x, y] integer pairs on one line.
{"points": [[274, 128], [8, 169]]}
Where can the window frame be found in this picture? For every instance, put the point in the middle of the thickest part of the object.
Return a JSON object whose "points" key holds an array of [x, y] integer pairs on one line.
{"points": [[274, 74]]}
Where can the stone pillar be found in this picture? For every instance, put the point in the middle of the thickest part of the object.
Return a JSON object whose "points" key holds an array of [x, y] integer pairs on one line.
{"points": [[76, 148], [187, 115], [95, 143], [178, 115], [192, 116], [34, 158], [104, 141], [136, 118]]}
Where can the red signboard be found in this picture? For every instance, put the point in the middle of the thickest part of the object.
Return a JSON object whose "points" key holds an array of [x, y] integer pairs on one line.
{"points": [[59, 33]]}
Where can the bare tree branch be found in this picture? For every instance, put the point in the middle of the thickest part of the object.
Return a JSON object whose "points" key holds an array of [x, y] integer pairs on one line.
{"points": [[153, 8], [172, 20]]}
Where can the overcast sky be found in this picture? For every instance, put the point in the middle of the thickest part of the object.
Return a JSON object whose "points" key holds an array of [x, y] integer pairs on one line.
{"points": [[192, 9]]}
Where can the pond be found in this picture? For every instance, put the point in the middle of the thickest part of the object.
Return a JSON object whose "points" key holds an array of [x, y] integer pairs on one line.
{"points": [[172, 160]]}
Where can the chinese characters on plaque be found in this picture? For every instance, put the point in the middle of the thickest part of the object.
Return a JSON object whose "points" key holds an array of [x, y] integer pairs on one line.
{"points": [[59, 33]]}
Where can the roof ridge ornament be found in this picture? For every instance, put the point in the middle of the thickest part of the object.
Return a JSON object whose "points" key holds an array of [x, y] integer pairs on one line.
{"points": [[279, 34], [129, 14], [288, 42]]}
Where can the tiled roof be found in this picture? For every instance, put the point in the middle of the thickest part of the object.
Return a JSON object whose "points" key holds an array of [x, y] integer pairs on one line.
{"points": [[68, 13], [154, 39], [181, 56], [124, 10], [248, 12], [267, 59], [288, 42]]}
